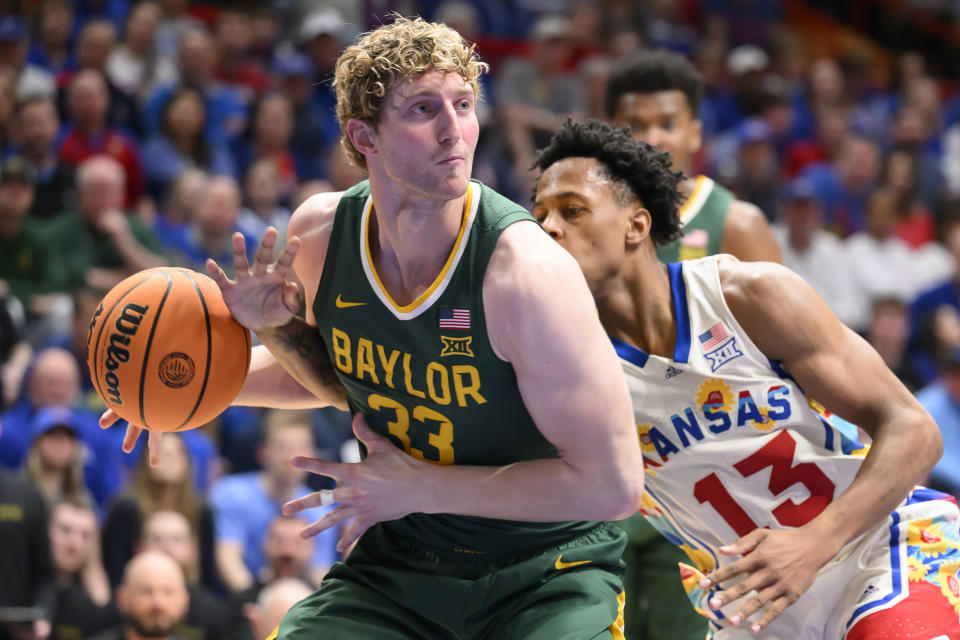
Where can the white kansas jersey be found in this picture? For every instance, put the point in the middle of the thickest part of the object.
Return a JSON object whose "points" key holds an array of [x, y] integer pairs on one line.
{"points": [[731, 443]]}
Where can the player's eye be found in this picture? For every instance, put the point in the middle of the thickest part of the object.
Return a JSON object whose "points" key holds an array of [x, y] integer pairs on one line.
{"points": [[464, 105], [420, 107], [572, 211]]}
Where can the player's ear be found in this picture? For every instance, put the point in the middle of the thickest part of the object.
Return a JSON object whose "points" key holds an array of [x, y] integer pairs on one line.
{"points": [[362, 136], [638, 226]]}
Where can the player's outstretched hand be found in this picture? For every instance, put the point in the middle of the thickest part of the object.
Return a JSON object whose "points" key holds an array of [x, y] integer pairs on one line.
{"points": [[261, 296], [381, 487], [109, 417], [779, 566]]}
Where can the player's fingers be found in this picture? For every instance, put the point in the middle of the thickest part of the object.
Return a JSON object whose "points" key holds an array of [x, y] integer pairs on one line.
{"points": [[352, 533], [366, 435], [722, 574], [755, 602], [264, 255], [285, 261], [744, 545], [775, 609], [320, 498], [130, 437], [153, 447], [753, 581], [108, 418], [240, 265], [331, 519], [316, 465], [218, 275], [292, 296]]}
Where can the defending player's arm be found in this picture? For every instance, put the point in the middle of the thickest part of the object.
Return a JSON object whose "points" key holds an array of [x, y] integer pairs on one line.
{"points": [[747, 234], [541, 318], [790, 323]]}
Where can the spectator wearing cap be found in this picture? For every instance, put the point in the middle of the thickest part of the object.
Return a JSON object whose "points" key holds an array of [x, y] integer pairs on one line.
{"points": [[536, 94], [89, 132], [31, 80], [322, 36], [180, 144], [942, 399], [51, 49], [54, 461], [24, 250], [37, 127], [754, 173], [134, 66], [817, 255], [196, 61]]}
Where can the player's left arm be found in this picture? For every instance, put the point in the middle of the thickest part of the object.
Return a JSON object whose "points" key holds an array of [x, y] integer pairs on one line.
{"points": [[747, 234], [790, 323]]}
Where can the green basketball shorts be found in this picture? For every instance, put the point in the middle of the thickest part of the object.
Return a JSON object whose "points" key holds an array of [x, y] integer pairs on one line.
{"points": [[391, 589]]}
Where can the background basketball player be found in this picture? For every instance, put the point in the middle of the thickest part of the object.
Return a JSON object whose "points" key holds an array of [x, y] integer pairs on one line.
{"points": [[658, 94], [791, 524]]}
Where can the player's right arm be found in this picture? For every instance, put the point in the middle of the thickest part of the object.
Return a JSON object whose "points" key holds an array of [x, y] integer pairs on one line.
{"points": [[291, 369]]}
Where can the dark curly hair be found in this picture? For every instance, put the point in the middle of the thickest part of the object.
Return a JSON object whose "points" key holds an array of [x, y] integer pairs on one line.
{"points": [[652, 72], [639, 171]]}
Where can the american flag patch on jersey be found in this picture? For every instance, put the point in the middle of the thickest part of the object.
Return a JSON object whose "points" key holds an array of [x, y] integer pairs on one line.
{"points": [[453, 318], [713, 336]]}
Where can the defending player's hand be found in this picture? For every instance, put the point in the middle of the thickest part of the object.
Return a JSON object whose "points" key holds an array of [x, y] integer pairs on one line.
{"points": [[265, 295], [381, 487], [109, 417], [779, 566]]}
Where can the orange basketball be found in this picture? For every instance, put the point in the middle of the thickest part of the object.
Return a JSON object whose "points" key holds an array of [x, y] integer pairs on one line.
{"points": [[164, 351]]}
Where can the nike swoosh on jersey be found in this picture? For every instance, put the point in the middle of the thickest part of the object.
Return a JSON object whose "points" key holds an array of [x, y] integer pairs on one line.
{"points": [[344, 305], [560, 565]]}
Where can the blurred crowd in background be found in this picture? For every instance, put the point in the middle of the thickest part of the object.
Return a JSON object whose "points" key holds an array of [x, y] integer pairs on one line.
{"points": [[139, 134]]}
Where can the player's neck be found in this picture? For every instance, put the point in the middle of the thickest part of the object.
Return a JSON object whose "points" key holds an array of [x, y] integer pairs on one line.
{"points": [[411, 238], [637, 306]]}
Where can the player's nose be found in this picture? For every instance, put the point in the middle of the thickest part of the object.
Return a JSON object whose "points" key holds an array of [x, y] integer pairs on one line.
{"points": [[551, 226], [448, 126]]}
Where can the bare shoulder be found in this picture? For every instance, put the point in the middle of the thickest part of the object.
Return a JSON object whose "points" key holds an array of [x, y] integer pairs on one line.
{"points": [[312, 222], [313, 219], [746, 282], [747, 234], [524, 279], [525, 257]]}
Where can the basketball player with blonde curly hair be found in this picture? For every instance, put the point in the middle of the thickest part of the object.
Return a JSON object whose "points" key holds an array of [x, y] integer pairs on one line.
{"points": [[495, 417]]}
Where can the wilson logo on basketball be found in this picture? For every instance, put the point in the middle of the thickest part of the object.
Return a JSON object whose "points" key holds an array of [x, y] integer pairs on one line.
{"points": [[117, 353], [176, 370]]}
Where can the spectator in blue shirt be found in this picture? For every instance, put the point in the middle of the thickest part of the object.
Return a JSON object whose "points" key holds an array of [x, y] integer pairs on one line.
{"points": [[181, 144], [244, 504]]}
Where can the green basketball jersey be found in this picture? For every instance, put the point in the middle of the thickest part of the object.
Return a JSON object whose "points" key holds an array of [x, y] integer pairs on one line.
{"points": [[702, 218], [425, 375]]}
